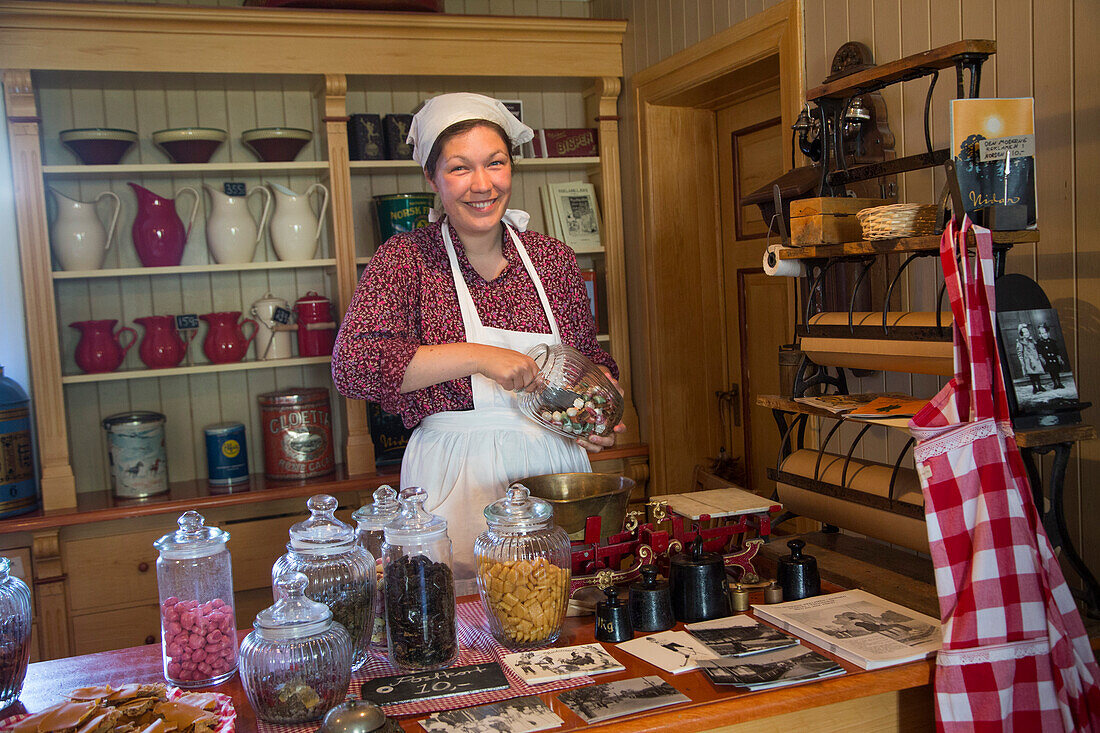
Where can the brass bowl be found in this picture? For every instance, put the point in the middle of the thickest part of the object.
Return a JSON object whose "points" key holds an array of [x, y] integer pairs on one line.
{"points": [[577, 496]]}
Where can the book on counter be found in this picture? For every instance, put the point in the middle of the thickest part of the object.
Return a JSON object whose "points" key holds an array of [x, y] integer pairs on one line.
{"points": [[548, 665], [594, 703], [564, 142], [868, 631], [771, 669], [739, 636]]}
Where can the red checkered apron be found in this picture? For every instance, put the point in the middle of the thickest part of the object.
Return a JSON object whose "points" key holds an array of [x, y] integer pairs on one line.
{"points": [[1015, 655]]}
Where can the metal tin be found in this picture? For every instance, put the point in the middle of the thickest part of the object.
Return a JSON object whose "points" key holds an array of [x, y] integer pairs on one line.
{"points": [[135, 450], [18, 489], [226, 454], [399, 213], [297, 430]]}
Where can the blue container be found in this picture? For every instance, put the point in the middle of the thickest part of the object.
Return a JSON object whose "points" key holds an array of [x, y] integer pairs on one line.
{"points": [[226, 454], [18, 490]]}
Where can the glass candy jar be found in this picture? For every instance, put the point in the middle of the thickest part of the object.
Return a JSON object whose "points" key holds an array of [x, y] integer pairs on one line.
{"points": [[523, 570], [370, 519], [15, 633], [573, 396], [339, 570], [419, 587], [197, 624], [296, 662]]}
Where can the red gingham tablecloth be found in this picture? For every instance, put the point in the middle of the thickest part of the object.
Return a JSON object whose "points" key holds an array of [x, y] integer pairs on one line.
{"points": [[1015, 655], [476, 645]]}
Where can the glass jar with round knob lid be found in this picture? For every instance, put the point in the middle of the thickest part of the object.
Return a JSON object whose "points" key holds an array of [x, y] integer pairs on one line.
{"points": [[419, 587], [523, 570], [197, 623], [370, 520], [15, 633], [296, 662], [339, 570]]}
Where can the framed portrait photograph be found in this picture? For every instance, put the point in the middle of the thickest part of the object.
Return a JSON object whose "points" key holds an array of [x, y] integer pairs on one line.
{"points": [[1035, 362]]}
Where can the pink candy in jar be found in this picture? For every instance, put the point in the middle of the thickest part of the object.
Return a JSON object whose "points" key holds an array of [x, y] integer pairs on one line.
{"points": [[200, 641]]}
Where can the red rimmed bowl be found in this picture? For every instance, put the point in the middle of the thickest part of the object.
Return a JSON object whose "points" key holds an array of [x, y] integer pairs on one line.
{"points": [[98, 145], [276, 144], [190, 144]]}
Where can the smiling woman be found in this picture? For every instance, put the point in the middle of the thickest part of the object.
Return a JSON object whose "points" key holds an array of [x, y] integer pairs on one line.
{"points": [[441, 324]]}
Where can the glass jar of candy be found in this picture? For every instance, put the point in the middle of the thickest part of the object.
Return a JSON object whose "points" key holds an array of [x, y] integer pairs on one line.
{"points": [[340, 572], [572, 396], [419, 587], [197, 624], [296, 662], [523, 570], [15, 633], [370, 519]]}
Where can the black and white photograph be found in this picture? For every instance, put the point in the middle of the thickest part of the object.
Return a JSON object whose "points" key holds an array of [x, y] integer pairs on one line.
{"points": [[595, 703], [784, 666], [547, 665], [574, 209], [1036, 360], [520, 715], [738, 636], [865, 619], [672, 651]]}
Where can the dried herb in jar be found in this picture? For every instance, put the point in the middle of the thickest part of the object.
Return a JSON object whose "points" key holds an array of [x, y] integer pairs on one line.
{"points": [[350, 604], [420, 610]]}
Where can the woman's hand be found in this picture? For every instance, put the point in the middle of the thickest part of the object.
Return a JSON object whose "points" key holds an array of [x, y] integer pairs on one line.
{"points": [[596, 443], [512, 370]]}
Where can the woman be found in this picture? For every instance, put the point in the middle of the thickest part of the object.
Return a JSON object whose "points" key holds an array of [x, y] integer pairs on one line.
{"points": [[1028, 354], [443, 317]]}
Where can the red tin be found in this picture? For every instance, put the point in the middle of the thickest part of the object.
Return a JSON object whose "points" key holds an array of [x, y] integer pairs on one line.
{"points": [[297, 429], [316, 327]]}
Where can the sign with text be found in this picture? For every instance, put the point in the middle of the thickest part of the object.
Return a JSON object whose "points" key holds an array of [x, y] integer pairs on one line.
{"points": [[436, 683], [187, 322]]}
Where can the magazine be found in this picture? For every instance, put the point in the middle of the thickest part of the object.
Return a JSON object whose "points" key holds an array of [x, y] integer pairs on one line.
{"points": [[888, 407], [594, 703], [672, 651], [841, 403], [738, 636], [859, 627], [771, 669], [547, 665], [576, 215]]}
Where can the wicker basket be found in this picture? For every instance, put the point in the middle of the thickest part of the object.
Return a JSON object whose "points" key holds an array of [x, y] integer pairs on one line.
{"points": [[899, 220]]}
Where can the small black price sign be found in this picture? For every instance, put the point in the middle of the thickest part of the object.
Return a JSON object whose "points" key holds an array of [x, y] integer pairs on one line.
{"points": [[187, 322], [233, 188], [282, 315], [440, 683]]}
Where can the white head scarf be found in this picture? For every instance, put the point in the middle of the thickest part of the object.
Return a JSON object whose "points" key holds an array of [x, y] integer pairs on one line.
{"points": [[439, 113]]}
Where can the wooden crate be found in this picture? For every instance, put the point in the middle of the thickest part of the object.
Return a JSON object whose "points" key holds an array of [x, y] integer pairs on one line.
{"points": [[828, 220]]}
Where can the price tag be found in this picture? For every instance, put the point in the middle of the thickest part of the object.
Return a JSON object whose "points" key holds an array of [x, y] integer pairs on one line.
{"points": [[432, 684], [232, 188], [282, 315], [187, 322]]}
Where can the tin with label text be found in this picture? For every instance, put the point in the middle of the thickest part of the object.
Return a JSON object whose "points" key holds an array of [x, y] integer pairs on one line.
{"points": [[226, 454], [297, 429]]}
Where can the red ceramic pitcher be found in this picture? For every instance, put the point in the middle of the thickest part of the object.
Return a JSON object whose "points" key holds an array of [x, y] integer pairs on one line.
{"points": [[316, 329], [100, 348], [161, 346], [159, 234], [225, 341]]}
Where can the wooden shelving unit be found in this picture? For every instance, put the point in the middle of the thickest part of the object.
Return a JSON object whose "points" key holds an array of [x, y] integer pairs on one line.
{"points": [[168, 170], [894, 246], [189, 269], [197, 369]]}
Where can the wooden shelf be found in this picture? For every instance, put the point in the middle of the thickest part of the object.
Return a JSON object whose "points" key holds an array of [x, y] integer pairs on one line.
{"points": [[175, 169], [199, 369], [102, 506], [534, 163], [890, 246], [189, 269], [910, 67], [775, 402]]}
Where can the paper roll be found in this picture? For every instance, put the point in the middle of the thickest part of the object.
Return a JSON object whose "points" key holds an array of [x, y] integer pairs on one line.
{"points": [[889, 355], [782, 268]]}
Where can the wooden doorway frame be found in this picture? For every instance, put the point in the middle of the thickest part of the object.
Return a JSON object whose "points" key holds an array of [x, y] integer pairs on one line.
{"points": [[684, 335]]}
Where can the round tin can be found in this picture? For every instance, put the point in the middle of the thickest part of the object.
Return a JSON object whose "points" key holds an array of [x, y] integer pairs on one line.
{"points": [[135, 450], [297, 428], [402, 212], [226, 454], [18, 489]]}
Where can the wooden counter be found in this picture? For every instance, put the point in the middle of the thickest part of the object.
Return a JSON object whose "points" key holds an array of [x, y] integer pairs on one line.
{"points": [[892, 699]]}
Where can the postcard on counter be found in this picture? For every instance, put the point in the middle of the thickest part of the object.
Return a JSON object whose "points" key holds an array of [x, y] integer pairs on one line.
{"points": [[771, 669], [738, 636], [520, 715], [416, 686], [596, 703], [547, 665], [672, 651]]}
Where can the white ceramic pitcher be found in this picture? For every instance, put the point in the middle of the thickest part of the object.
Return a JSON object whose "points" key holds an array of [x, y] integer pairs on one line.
{"points": [[231, 232], [295, 229], [77, 236]]}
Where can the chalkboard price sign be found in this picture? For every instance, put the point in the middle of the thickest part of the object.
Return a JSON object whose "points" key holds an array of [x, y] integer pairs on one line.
{"points": [[436, 683], [282, 315], [187, 321], [233, 188]]}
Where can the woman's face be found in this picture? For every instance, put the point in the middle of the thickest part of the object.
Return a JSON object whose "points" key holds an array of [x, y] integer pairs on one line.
{"points": [[474, 180]]}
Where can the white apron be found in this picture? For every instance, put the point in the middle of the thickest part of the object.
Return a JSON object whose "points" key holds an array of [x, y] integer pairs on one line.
{"points": [[465, 459]]}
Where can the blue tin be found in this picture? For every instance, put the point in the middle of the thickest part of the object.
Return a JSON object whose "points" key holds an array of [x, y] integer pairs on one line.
{"points": [[18, 490], [226, 454]]}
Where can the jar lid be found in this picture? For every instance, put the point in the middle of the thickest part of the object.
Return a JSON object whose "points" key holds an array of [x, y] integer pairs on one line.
{"points": [[139, 417], [221, 428], [322, 532], [312, 297], [519, 510], [193, 539], [270, 299], [297, 396], [414, 524], [294, 615], [377, 515]]}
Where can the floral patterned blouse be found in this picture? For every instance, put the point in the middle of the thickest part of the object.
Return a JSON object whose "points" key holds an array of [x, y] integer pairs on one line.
{"points": [[407, 298]]}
